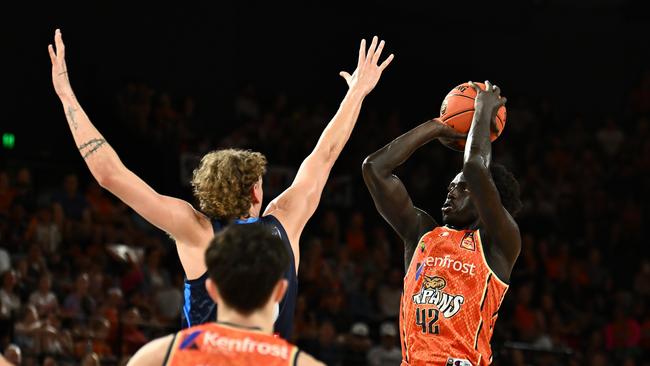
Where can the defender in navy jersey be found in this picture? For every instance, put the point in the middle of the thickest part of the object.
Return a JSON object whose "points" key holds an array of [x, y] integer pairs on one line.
{"points": [[199, 308], [227, 183], [246, 266]]}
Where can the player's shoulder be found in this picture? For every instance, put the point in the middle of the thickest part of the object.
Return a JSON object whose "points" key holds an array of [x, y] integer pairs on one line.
{"points": [[153, 353], [199, 233], [424, 222], [275, 225], [507, 242], [305, 359]]}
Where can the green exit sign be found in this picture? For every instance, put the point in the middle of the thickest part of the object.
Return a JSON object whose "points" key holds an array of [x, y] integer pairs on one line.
{"points": [[8, 140]]}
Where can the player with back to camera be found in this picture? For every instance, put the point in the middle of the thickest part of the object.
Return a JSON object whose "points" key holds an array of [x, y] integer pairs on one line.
{"points": [[246, 268], [227, 184], [456, 274]]}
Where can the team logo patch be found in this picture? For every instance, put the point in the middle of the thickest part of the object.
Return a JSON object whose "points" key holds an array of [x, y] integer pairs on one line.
{"points": [[434, 283], [468, 241], [431, 293]]}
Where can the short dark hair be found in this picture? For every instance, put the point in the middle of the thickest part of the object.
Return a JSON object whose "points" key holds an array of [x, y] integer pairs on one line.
{"points": [[508, 188], [246, 262]]}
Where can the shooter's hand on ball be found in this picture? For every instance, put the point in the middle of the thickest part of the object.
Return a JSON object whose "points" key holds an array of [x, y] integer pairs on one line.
{"points": [[488, 101]]}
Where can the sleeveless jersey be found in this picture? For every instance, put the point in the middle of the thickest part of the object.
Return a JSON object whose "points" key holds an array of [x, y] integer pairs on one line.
{"points": [[224, 344], [450, 301], [198, 307]]}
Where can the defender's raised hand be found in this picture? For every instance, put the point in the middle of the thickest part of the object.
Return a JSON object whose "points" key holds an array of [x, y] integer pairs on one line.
{"points": [[59, 69], [368, 72]]}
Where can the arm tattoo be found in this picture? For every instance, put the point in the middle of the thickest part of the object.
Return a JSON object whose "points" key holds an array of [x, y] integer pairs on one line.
{"points": [[70, 115], [93, 145]]}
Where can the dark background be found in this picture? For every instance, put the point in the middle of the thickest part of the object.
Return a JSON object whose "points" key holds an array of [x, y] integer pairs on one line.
{"points": [[580, 54]]}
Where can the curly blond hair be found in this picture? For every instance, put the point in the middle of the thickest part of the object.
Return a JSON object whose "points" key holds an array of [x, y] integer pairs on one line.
{"points": [[223, 180]]}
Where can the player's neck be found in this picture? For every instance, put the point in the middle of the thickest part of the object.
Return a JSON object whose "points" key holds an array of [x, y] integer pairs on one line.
{"points": [[254, 212], [473, 226], [259, 320]]}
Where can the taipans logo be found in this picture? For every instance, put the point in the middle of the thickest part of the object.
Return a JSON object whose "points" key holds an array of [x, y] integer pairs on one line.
{"points": [[190, 340], [432, 294], [434, 283]]}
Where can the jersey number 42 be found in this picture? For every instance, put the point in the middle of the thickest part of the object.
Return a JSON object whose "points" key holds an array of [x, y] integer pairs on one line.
{"points": [[427, 319]]}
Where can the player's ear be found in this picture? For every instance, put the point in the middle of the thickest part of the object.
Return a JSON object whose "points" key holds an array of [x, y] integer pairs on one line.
{"points": [[211, 287], [256, 192], [280, 289]]}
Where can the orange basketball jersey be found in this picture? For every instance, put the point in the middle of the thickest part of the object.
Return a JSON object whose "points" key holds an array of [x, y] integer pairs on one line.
{"points": [[219, 344], [450, 301]]}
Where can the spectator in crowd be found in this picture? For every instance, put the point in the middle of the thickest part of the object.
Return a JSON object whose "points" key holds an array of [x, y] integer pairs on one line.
{"points": [[356, 344], [55, 340], [389, 294], [44, 231], [5, 261], [90, 359], [9, 300], [73, 205], [13, 355], [388, 352], [78, 304], [27, 331]]}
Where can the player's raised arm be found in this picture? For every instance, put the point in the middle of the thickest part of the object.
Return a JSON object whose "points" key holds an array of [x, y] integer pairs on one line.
{"points": [[496, 221], [172, 215], [387, 190], [296, 205]]}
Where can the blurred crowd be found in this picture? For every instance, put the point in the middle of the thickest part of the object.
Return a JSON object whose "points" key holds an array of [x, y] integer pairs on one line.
{"points": [[579, 292]]}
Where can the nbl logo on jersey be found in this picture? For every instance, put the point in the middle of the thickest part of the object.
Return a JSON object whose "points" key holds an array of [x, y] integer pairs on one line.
{"points": [[468, 241], [432, 293]]}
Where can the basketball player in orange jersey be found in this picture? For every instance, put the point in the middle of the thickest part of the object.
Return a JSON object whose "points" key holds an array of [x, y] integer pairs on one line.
{"points": [[227, 184], [246, 267], [456, 274]]}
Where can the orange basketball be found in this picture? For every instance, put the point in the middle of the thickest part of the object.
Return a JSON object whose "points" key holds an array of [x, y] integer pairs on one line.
{"points": [[457, 111]]}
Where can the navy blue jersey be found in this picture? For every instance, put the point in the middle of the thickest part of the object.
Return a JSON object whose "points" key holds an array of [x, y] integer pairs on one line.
{"points": [[198, 307]]}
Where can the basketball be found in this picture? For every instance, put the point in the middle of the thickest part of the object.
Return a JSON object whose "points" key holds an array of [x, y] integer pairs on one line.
{"points": [[457, 111]]}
